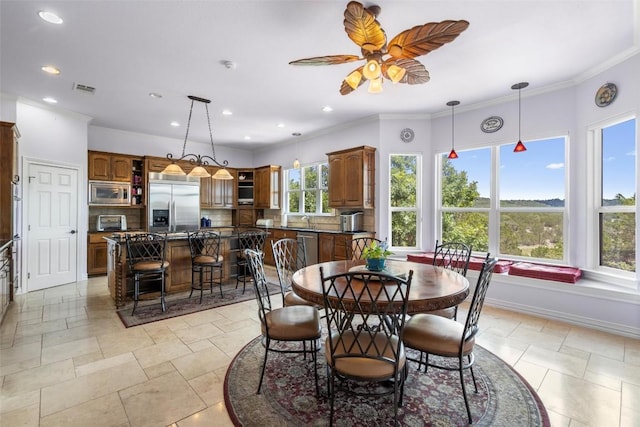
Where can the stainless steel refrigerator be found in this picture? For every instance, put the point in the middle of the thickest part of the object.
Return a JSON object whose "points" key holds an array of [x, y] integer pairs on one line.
{"points": [[174, 203]]}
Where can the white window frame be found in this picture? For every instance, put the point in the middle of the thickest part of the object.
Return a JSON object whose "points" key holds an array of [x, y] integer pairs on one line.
{"points": [[594, 269], [301, 191], [417, 208]]}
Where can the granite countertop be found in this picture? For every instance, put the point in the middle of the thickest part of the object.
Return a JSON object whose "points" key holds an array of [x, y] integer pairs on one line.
{"points": [[5, 243], [119, 236], [314, 230]]}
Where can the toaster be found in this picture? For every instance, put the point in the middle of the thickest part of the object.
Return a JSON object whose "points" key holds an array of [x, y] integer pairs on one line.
{"points": [[111, 223]]}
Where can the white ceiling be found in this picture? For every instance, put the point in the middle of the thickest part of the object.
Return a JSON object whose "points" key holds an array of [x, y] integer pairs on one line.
{"points": [[127, 49]]}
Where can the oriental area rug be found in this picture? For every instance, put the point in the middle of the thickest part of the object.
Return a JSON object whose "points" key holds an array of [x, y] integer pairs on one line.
{"points": [[179, 304], [287, 398]]}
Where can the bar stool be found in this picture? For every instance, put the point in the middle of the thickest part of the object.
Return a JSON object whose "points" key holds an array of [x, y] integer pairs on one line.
{"points": [[250, 239], [146, 259], [205, 258]]}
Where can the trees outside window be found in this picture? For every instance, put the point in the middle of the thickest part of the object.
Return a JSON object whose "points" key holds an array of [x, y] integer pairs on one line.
{"points": [[306, 190], [404, 192]]}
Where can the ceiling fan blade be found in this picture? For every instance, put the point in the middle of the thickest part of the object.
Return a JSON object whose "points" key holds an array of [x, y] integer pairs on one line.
{"points": [[416, 73], [423, 39], [326, 60], [363, 28]]}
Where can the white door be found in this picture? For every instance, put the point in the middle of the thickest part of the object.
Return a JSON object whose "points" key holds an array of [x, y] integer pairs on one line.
{"points": [[52, 226]]}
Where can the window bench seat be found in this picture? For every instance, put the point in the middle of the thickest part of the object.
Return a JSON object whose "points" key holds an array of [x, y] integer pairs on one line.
{"points": [[556, 273]]}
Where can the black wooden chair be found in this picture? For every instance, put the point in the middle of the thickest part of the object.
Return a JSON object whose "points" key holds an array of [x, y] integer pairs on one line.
{"points": [[146, 253], [436, 335], [206, 260]]}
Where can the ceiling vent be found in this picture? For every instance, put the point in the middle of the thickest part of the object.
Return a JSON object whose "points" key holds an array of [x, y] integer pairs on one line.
{"points": [[84, 88]]}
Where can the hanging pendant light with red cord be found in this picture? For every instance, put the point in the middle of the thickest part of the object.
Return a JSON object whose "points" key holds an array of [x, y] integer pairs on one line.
{"points": [[452, 153], [519, 146]]}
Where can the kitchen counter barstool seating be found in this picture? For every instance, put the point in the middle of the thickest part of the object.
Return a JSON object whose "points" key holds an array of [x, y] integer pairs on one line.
{"points": [[249, 239], [357, 245], [454, 256], [289, 256], [436, 335], [206, 260], [296, 323], [146, 259], [365, 313]]}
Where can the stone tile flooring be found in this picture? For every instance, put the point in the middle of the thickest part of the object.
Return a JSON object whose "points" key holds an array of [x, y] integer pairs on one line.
{"points": [[67, 360]]}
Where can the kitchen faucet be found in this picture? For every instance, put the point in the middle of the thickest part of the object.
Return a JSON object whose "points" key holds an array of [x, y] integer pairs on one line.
{"points": [[308, 219]]}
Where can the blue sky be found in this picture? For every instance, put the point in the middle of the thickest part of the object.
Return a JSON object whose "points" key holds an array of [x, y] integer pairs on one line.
{"points": [[538, 173]]}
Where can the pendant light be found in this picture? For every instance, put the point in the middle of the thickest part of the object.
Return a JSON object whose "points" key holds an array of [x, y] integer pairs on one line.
{"points": [[199, 161], [519, 146], [452, 153]]}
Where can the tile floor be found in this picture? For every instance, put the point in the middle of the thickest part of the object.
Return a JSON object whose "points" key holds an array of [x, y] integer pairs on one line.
{"points": [[67, 360]]}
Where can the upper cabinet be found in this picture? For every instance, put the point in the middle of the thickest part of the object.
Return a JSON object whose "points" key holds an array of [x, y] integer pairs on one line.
{"points": [[352, 178], [109, 167], [218, 193], [267, 187]]}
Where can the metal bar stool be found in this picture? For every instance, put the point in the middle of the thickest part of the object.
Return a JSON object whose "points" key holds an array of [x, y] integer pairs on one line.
{"points": [[250, 239], [205, 260], [146, 259]]}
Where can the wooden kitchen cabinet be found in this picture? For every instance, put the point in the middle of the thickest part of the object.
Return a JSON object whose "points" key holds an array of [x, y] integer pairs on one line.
{"points": [[109, 167], [276, 234], [96, 254], [245, 217], [8, 175], [336, 246], [352, 178], [218, 193], [267, 187]]}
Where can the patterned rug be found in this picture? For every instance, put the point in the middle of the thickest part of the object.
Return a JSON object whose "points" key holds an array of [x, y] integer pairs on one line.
{"points": [[180, 304], [504, 398]]}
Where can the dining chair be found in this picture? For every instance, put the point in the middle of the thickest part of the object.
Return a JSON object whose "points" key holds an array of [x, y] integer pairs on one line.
{"points": [[454, 256], [436, 335], [295, 323], [357, 245], [146, 257], [289, 256], [206, 260], [249, 239], [363, 343]]}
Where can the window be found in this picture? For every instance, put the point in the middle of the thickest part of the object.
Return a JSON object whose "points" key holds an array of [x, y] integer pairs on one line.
{"points": [[404, 201], [306, 190], [506, 203], [615, 196]]}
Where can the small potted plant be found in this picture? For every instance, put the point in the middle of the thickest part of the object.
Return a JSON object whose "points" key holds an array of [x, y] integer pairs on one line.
{"points": [[375, 254]]}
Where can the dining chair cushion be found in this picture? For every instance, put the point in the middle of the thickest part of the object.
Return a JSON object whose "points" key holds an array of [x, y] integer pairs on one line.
{"points": [[294, 323], [291, 299], [206, 259], [362, 367], [448, 312], [435, 335], [149, 265]]}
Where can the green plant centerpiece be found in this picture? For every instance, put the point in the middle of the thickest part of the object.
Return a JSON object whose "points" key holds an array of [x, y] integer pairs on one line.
{"points": [[375, 254]]}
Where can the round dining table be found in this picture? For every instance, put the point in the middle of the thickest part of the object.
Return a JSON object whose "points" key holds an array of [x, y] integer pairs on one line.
{"points": [[432, 288]]}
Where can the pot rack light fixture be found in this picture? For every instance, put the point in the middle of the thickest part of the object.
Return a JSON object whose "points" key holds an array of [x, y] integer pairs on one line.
{"points": [[519, 146], [199, 161], [452, 153]]}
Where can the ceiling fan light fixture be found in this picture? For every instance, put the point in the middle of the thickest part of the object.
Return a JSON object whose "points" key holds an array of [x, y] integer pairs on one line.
{"points": [[371, 70], [375, 85], [354, 79], [396, 73]]}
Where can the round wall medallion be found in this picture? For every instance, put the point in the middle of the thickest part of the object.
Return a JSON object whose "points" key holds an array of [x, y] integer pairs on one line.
{"points": [[606, 94], [491, 124], [407, 135]]}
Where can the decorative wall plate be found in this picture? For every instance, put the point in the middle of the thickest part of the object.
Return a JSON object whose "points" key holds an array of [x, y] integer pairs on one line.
{"points": [[606, 94], [407, 135], [491, 124]]}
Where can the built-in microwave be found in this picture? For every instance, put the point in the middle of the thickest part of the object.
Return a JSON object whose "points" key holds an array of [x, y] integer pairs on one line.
{"points": [[107, 193]]}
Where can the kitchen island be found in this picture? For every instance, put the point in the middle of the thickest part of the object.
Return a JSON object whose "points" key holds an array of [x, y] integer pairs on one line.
{"points": [[178, 277]]}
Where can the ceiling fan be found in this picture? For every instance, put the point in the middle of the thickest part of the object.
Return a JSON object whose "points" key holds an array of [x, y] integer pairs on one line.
{"points": [[362, 27]]}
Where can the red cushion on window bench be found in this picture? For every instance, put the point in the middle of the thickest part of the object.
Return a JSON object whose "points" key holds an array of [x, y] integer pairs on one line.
{"points": [[475, 262], [546, 272]]}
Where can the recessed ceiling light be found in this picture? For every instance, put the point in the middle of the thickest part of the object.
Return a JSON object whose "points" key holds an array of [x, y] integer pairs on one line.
{"points": [[280, 125], [50, 17], [50, 69], [247, 137], [227, 112], [50, 100], [327, 109], [155, 95], [174, 124]]}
